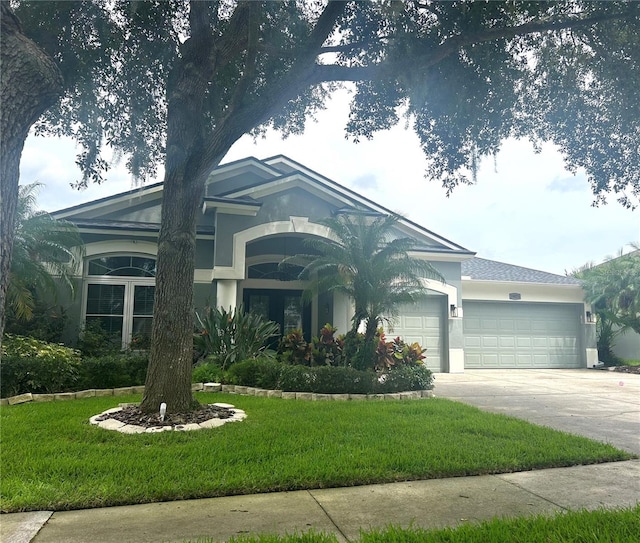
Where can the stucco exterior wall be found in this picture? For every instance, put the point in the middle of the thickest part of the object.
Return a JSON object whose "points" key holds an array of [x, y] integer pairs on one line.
{"points": [[627, 346]]}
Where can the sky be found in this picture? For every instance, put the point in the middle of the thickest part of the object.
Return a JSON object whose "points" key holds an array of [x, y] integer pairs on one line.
{"points": [[525, 208]]}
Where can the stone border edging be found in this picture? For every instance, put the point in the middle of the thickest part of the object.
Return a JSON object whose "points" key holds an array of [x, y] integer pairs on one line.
{"points": [[216, 387], [122, 427]]}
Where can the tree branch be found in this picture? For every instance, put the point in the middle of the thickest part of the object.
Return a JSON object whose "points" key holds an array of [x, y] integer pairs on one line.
{"points": [[247, 117], [326, 72], [248, 74]]}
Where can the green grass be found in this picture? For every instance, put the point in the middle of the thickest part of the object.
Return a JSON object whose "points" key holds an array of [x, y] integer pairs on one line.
{"points": [[630, 362], [53, 459], [602, 526]]}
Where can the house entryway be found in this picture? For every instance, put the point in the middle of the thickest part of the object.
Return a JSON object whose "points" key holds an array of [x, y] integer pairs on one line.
{"points": [[284, 307]]}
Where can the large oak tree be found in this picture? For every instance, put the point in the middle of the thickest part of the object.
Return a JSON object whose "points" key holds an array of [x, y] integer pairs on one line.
{"points": [[180, 82]]}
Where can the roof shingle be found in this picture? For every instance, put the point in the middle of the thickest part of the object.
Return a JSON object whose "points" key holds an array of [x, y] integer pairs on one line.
{"points": [[490, 270]]}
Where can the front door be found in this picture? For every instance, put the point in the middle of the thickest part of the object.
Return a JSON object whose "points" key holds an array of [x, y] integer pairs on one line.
{"points": [[282, 306]]}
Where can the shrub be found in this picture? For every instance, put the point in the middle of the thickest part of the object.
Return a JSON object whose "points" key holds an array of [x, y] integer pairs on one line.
{"points": [[267, 373], [31, 365], [326, 350], [208, 372], [404, 378], [233, 336], [95, 341], [257, 372], [327, 380], [323, 350], [390, 354], [113, 370], [293, 349]]}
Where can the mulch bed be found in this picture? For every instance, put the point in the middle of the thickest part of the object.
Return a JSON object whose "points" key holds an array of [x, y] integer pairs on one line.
{"points": [[133, 415]]}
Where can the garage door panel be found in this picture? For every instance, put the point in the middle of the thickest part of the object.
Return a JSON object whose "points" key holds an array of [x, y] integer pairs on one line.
{"points": [[472, 341], [507, 325], [412, 323], [507, 342], [524, 361], [424, 324], [521, 335], [489, 324], [489, 342]]}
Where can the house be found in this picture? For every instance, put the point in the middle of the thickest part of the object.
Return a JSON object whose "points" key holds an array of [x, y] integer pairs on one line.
{"points": [[256, 212]]}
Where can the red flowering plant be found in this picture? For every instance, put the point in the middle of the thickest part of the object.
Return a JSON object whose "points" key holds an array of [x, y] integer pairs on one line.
{"points": [[390, 354], [326, 348], [294, 349]]}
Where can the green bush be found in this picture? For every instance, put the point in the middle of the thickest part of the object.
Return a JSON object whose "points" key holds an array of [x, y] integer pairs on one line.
{"points": [[208, 372], [113, 370], [266, 373], [327, 380], [407, 377], [257, 372], [31, 365], [95, 341]]}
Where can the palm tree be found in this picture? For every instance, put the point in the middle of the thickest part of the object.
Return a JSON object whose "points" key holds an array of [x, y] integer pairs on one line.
{"points": [[613, 290], [367, 263], [46, 254]]}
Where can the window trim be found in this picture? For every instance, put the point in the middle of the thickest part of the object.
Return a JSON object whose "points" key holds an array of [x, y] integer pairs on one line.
{"points": [[129, 283]]}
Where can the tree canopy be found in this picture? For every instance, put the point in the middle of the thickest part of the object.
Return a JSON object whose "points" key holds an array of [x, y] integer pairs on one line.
{"points": [[466, 75], [180, 82]]}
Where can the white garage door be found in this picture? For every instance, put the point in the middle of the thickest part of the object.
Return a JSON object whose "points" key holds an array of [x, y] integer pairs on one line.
{"points": [[521, 335], [423, 323]]}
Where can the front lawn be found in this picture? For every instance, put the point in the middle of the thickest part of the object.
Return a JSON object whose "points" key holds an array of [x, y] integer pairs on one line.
{"points": [[53, 459], [620, 526]]}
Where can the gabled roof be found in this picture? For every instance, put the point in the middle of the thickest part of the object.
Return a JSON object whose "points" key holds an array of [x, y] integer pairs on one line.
{"points": [[141, 194], [264, 177], [481, 269]]}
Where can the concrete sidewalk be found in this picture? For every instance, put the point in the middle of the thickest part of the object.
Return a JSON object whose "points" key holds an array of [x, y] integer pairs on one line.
{"points": [[342, 511]]}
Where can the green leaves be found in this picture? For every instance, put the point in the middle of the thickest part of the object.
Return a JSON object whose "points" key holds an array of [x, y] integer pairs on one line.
{"points": [[368, 262], [47, 253], [233, 336]]}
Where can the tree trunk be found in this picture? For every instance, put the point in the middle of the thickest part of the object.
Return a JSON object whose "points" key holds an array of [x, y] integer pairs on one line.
{"points": [[169, 372], [30, 82]]}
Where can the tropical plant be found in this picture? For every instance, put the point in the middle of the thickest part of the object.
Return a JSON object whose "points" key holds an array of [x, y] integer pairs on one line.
{"points": [[613, 290], [368, 263], [46, 254], [326, 349], [396, 353], [230, 336], [294, 349]]}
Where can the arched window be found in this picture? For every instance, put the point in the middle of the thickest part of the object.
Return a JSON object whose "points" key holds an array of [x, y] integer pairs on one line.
{"points": [[119, 291], [272, 270]]}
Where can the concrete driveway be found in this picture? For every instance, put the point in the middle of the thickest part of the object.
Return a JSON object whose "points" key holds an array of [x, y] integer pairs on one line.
{"points": [[598, 404]]}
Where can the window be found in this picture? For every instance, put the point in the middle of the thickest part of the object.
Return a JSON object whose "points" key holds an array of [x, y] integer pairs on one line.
{"points": [[272, 270], [119, 295]]}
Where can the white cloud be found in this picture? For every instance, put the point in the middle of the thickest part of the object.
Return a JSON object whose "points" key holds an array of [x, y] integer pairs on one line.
{"points": [[525, 209]]}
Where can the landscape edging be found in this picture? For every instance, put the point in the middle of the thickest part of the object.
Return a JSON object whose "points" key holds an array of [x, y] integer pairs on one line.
{"points": [[217, 387]]}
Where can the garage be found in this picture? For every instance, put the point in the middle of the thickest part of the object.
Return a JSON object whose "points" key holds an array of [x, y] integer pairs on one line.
{"points": [[424, 323], [521, 335]]}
